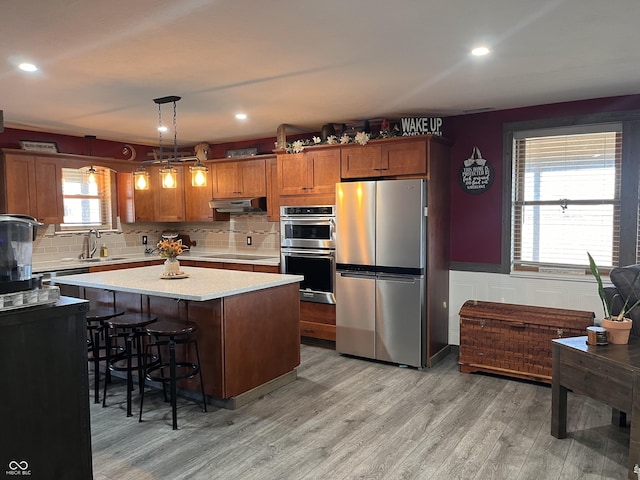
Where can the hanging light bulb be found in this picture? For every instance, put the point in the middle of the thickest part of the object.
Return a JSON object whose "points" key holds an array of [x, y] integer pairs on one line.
{"points": [[91, 175], [91, 171], [198, 175], [168, 174], [141, 179], [199, 170], [169, 177]]}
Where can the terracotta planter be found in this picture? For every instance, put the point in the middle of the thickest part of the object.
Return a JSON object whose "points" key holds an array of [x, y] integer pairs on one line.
{"points": [[618, 331]]}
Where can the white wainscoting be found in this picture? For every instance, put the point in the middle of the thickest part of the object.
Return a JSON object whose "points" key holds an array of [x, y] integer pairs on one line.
{"points": [[580, 293]]}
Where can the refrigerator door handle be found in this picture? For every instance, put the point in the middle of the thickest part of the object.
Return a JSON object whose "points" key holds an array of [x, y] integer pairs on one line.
{"points": [[398, 278], [357, 274]]}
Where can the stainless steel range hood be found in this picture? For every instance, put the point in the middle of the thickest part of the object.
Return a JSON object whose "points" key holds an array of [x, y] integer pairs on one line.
{"points": [[239, 205]]}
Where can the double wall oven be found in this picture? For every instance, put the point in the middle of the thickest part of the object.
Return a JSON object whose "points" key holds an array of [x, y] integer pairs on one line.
{"points": [[308, 248]]}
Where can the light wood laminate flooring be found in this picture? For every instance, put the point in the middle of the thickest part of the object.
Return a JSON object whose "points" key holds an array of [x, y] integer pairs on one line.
{"points": [[346, 418]]}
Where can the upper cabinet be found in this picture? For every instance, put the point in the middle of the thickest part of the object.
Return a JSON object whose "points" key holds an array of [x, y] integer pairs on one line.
{"points": [[239, 178], [390, 157], [196, 200], [32, 186], [159, 204], [313, 172], [185, 203]]}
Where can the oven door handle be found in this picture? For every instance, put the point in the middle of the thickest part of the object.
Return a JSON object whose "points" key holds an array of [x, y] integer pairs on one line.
{"points": [[308, 254]]}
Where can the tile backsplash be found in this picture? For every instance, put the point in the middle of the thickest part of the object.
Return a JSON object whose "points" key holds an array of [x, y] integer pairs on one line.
{"points": [[231, 235]]}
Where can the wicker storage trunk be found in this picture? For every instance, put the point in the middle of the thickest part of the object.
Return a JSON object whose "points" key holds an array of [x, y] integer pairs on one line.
{"points": [[515, 340]]}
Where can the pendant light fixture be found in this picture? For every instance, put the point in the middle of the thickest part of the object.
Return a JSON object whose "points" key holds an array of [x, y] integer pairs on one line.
{"points": [[141, 179], [168, 174], [199, 170], [91, 171]]}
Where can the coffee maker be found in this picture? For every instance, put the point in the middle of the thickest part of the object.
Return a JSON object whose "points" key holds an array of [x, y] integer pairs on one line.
{"points": [[17, 234]]}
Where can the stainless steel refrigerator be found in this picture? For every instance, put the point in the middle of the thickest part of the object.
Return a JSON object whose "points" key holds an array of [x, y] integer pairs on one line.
{"points": [[381, 232]]}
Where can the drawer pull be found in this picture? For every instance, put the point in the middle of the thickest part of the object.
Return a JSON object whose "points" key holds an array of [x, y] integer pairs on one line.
{"points": [[307, 329], [517, 325], [560, 333], [482, 322]]}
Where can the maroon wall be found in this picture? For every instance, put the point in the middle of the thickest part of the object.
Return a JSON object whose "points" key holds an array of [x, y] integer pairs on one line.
{"points": [[476, 220], [11, 137]]}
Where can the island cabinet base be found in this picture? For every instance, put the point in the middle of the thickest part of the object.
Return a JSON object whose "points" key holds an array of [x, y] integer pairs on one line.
{"points": [[245, 340]]}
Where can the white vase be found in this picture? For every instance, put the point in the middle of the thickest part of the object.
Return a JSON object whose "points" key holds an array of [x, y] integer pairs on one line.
{"points": [[171, 266]]}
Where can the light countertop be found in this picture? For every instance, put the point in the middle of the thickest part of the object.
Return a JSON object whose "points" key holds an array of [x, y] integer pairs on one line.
{"points": [[200, 285], [258, 258]]}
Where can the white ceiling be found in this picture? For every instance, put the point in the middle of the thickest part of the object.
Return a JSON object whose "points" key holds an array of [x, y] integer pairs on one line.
{"points": [[301, 62]]}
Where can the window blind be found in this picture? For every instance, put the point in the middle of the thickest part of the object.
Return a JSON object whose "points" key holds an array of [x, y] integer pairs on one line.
{"points": [[86, 204], [566, 199]]}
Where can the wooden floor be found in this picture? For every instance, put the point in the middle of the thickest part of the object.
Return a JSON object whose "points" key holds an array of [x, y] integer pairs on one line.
{"points": [[345, 418]]}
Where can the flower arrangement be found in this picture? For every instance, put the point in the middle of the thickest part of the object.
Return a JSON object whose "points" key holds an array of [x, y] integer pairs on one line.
{"points": [[361, 138], [169, 248]]}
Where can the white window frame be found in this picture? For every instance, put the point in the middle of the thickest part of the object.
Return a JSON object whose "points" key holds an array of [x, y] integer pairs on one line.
{"points": [[575, 259], [107, 197], [629, 245]]}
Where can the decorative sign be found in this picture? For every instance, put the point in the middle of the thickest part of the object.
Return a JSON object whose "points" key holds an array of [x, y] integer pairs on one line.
{"points": [[421, 126], [476, 175], [242, 152], [39, 146]]}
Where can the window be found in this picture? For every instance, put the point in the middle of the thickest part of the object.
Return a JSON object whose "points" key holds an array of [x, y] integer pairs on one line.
{"points": [[566, 197], [87, 204]]}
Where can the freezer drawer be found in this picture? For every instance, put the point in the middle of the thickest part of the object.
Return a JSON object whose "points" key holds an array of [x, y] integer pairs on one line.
{"points": [[400, 320], [355, 314]]}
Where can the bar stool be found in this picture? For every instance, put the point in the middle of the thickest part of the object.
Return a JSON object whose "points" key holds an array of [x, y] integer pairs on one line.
{"points": [[129, 326], [170, 334], [97, 353]]}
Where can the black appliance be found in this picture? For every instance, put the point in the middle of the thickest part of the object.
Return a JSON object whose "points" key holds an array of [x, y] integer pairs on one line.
{"points": [[17, 234]]}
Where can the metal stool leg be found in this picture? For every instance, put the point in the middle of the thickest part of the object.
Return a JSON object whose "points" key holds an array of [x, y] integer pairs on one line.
{"points": [[128, 342], [204, 399], [172, 372]]}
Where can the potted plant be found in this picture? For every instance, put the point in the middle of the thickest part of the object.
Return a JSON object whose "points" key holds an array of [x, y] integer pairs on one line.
{"points": [[617, 326]]}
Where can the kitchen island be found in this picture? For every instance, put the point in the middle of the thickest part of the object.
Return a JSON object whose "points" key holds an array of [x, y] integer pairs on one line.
{"points": [[247, 322]]}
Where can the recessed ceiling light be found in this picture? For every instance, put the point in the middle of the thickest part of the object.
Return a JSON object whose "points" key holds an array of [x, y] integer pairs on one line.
{"points": [[480, 51], [28, 67], [241, 116], [163, 129]]}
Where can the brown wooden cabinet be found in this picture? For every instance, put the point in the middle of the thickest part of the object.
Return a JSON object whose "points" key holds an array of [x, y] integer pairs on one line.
{"points": [[318, 320], [313, 172], [159, 204], [247, 267], [32, 186], [196, 200], [239, 179], [273, 194], [383, 158]]}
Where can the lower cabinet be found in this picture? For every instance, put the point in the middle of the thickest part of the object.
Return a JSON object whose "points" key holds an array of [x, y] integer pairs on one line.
{"points": [[318, 320], [45, 402]]}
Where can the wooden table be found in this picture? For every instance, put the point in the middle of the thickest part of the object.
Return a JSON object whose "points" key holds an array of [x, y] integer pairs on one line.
{"points": [[608, 373]]}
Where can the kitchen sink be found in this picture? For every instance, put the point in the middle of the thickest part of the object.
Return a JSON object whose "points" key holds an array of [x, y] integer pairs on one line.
{"points": [[98, 259], [238, 256]]}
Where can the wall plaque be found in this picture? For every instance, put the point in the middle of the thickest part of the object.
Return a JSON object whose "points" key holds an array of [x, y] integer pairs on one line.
{"points": [[421, 126], [475, 175]]}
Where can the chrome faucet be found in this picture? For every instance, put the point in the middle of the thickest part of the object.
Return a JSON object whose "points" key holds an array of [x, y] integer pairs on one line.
{"points": [[96, 235]]}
